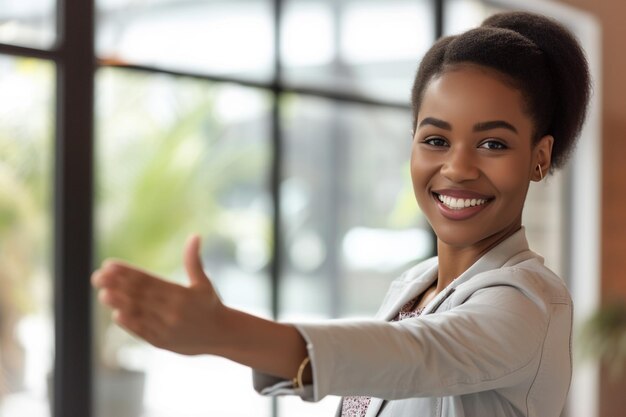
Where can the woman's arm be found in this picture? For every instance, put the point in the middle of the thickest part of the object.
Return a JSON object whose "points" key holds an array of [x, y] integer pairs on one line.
{"points": [[492, 340], [193, 320]]}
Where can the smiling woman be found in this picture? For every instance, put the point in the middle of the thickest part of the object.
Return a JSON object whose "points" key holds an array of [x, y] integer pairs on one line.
{"points": [[484, 328]]}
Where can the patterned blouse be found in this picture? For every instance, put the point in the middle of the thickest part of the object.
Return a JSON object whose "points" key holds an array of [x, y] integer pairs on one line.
{"points": [[357, 406]]}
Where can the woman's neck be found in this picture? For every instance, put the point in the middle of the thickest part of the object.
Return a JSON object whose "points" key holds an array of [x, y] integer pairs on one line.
{"points": [[455, 260]]}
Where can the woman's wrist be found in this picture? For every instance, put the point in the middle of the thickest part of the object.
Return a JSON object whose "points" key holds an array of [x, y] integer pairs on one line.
{"points": [[274, 348]]}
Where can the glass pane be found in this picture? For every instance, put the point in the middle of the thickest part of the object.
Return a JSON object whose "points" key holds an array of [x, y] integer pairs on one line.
{"points": [[26, 316], [545, 222], [351, 223], [348, 206], [177, 156], [364, 47], [28, 23], [462, 15], [232, 37]]}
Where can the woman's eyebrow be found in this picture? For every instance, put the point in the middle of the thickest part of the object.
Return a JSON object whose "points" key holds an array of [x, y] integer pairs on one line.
{"points": [[494, 124], [435, 122], [478, 127]]}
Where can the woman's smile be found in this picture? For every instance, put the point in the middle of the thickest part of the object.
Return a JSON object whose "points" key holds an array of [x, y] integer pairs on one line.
{"points": [[460, 204]]}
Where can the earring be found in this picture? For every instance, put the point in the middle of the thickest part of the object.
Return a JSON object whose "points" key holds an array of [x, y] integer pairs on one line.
{"points": [[540, 172]]}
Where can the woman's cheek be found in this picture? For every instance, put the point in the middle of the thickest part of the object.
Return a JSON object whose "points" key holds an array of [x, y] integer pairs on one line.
{"points": [[422, 172], [506, 179]]}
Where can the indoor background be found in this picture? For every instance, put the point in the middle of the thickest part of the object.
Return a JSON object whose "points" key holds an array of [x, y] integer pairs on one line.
{"points": [[279, 131]]}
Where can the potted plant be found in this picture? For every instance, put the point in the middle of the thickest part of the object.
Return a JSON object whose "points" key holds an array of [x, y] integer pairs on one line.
{"points": [[603, 337], [22, 271], [120, 384]]}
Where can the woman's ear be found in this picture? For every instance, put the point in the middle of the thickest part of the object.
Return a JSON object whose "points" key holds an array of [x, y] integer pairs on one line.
{"points": [[542, 154]]}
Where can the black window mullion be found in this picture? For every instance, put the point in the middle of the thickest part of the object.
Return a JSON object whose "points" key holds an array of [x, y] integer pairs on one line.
{"points": [[24, 51], [274, 85], [73, 209], [276, 168], [439, 18]]}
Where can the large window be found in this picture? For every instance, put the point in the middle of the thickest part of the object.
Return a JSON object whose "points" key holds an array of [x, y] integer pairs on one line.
{"points": [[277, 129]]}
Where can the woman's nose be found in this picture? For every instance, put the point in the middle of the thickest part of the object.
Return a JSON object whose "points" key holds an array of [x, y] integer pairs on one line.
{"points": [[460, 165]]}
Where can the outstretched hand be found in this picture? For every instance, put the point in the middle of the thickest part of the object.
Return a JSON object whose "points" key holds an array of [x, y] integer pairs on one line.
{"points": [[170, 316], [192, 319]]}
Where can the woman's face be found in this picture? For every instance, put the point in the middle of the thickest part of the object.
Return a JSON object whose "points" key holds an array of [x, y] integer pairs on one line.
{"points": [[472, 157]]}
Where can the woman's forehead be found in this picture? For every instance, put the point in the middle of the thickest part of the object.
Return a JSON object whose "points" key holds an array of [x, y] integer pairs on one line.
{"points": [[472, 94]]}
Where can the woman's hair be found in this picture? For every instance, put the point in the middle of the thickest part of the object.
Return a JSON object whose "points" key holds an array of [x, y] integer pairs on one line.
{"points": [[534, 54]]}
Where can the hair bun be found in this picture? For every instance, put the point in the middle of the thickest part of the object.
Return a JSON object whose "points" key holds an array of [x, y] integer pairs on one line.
{"points": [[568, 66], [539, 56]]}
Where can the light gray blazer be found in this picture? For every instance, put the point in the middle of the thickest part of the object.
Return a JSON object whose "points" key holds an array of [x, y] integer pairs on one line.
{"points": [[496, 342]]}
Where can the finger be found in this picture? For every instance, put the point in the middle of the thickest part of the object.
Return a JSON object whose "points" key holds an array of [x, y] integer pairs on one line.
{"points": [[132, 291], [117, 266], [96, 278], [109, 274], [129, 310], [142, 325], [193, 263], [153, 295], [118, 300], [116, 263], [131, 280]]}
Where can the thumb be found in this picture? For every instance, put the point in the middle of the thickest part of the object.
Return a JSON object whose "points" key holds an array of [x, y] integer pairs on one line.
{"points": [[193, 263]]}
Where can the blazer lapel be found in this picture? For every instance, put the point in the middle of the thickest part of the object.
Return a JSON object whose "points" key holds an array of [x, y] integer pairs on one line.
{"points": [[338, 412], [402, 292]]}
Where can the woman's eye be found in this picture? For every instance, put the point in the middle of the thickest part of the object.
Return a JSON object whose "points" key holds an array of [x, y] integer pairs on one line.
{"points": [[493, 145], [435, 141]]}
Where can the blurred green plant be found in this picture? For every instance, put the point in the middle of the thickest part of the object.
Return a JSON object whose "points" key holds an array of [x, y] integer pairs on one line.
{"points": [[167, 167], [172, 177], [25, 203], [603, 337]]}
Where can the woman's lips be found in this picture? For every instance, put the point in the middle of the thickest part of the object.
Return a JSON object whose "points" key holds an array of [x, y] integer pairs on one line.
{"points": [[460, 204]]}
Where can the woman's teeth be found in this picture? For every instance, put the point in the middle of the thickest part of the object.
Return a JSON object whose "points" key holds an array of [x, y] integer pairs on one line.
{"points": [[460, 203]]}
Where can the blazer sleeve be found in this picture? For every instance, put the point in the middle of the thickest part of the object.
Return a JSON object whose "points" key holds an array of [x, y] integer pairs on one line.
{"points": [[493, 339]]}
